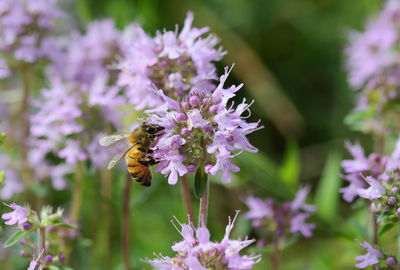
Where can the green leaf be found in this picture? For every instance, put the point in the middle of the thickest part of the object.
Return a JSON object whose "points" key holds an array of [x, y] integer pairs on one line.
{"points": [[327, 195], [59, 267], [62, 224], [290, 170], [386, 228], [382, 217], [13, 239], [2, 137], [200, 182]]}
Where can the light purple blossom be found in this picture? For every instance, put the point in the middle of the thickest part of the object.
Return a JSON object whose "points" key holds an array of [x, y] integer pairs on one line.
{"points": [[19, 215], [372, 257], [210, 132], [177, 63], [286, 217], [24, 29], [375, 190], [11, 182], [196, 251], [35, 264], [80, 91], [297, 224]]}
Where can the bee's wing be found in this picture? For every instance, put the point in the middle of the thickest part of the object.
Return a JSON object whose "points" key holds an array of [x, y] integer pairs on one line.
{"points": [[118, 157], [108, 140]]}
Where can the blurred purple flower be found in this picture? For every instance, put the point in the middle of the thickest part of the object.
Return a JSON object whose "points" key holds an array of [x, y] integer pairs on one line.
{"points": [[176, 63], [35, 264], [11, 182], [372, 257], [201, 129], [196, 251], [284, 218], [80, 92], [297, 224], [19, 215], [24, 25], [375, 190]]}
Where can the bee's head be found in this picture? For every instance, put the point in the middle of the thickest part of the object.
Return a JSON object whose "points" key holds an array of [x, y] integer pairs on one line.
{"points": [[151, 129]]}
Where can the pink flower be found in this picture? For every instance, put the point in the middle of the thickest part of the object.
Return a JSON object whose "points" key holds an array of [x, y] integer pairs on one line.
{"points": [[19, 215], [372, 257], [297, 224], [196, 251], [375, 190]]}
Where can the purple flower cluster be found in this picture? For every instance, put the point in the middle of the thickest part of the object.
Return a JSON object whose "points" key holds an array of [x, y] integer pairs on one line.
{"points": [[196, 251], [201, 129], [373, 64], [25, 29], [281, 219], [175, 62], [12, 183], [57, 229], [374, 178], [81, 91]]}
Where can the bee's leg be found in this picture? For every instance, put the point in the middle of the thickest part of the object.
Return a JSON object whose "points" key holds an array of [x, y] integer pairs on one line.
{"points": [[150, 151], [147, 161]]}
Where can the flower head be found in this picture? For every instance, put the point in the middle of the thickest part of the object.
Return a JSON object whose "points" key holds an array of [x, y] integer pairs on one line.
{"points": [[201, 129], [19, 215], [372, 257], [281, 219], [196, 251], [177, 63], [25, 31]]}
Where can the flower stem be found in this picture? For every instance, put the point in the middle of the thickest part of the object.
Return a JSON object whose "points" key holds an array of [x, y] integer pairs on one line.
{"points": [[24, 122], [41, 233], [375, 228], [126, 223], [203, 211], [187, 198], [275, 255], [77, 193]]}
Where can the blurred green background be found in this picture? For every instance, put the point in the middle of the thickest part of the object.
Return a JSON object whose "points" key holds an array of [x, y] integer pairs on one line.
{"points": [[289, 54]]}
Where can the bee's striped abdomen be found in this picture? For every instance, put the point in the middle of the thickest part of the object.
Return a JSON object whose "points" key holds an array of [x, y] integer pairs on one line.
{"points": [[139, 172]]}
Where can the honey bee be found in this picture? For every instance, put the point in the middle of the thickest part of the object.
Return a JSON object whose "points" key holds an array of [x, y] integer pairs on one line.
{"points": [[136, 155]]}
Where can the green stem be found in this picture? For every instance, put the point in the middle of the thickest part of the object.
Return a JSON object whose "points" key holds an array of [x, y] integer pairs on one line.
{"points": [[275, 254], [126, 223], [187, 198], [203, 211], [24, 122], [77, 193]]}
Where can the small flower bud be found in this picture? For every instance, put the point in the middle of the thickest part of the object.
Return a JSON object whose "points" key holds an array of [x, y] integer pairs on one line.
{"points": [[392, 200], [229, 138], [191, 168], [185, 104], [62, 258], [387, 208], [163, 64], [194, 101], [22, 253], [26, 226], [23, 242], [286, 207], [391, 261], [181, 117], [395, 190], [185, 131], [207, 128], [207, 168], [181, 60], [213, 109], [398, 211], [48, 259], [257, 223]]}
